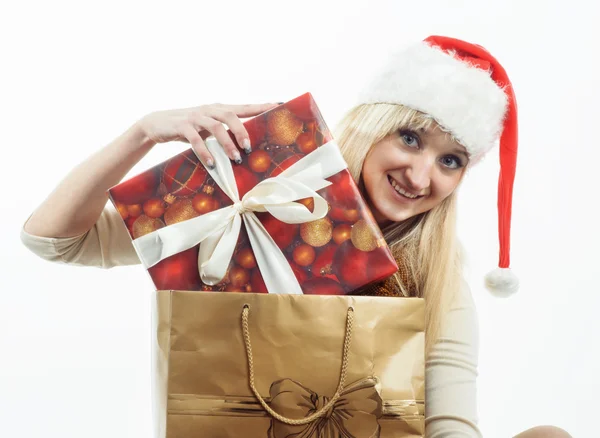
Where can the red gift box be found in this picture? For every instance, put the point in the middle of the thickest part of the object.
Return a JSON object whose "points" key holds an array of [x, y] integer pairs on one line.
{"points": [[297, 220]]}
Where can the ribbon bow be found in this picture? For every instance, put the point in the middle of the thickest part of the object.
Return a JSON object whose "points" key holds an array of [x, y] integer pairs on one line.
{"points": [[217, 232], [354, 415]]}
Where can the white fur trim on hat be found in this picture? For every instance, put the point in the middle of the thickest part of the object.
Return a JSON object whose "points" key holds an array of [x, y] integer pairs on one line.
{"points": [[462, 98], [502, 282]]}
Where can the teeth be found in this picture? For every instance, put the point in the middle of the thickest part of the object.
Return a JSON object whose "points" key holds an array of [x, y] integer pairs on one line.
{"points": [[401, 190]]}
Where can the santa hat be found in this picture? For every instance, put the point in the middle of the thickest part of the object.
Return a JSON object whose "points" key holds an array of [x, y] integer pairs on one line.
{"points": [[468, 93]]}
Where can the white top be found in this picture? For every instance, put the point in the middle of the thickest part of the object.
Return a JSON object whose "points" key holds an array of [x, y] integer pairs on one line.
{"points": [[451, 367]]}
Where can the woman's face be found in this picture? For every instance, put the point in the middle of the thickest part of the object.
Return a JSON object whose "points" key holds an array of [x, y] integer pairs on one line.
{"points": [[410, 172]]}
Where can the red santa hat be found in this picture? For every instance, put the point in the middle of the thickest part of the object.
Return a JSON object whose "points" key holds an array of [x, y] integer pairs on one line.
{"points": [[468, 93]]}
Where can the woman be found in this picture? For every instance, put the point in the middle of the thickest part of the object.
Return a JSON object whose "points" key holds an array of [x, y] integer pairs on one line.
{"points": [[436, 110]]}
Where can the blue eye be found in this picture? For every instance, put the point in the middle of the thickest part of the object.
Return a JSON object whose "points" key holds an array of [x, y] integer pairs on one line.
{"points": [[409, 139], [452, 162]]}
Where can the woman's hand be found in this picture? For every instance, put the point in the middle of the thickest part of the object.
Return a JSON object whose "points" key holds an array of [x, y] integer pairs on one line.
{"points": [[192, 125], [68, 212]]}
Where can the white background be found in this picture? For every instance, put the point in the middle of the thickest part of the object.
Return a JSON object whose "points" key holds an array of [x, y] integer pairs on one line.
{"points": [[75, 343]]}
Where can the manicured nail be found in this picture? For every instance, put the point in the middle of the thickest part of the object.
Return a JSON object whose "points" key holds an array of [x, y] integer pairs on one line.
{"points": [[210, 163], [247, 147], [237, 157]]}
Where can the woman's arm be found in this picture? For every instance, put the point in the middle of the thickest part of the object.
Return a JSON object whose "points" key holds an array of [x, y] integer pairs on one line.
{"points": [[77, 203], [105, 245], [451, 374]]}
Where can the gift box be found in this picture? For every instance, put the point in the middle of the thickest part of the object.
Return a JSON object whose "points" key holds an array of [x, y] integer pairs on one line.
{"points": [[288, 219]]}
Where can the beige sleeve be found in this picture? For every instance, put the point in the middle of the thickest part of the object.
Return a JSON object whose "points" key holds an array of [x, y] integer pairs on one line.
{"points": [[106, 245], [451, 372]]}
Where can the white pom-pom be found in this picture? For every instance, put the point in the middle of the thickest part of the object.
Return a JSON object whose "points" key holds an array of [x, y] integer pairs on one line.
{"points": [[502, 282]]}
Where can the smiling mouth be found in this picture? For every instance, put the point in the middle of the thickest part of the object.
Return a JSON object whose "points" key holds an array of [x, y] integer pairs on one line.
{"points": [[401, 191]]}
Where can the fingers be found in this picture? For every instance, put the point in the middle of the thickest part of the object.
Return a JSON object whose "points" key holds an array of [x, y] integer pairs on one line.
{"points": [[216, 128], [235, 126], [250, 110], [193, 137], [208, 120]]}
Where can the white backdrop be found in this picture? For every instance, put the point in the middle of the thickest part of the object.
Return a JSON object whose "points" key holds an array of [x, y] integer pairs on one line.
{"points": [[75, 341]]}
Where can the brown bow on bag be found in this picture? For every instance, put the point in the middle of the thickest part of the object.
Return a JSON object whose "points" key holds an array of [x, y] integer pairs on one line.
{"points": [[354, 415]]}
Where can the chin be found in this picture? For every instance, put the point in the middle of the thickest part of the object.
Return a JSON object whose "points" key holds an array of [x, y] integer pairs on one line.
{"points": [[391, 214], [401, 217]]}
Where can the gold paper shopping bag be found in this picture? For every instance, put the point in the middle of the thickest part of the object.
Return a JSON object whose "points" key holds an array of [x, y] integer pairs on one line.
{"points": [[279, 366]]}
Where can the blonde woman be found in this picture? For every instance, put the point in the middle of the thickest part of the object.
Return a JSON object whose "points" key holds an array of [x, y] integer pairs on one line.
{"points": [[436, 109]]}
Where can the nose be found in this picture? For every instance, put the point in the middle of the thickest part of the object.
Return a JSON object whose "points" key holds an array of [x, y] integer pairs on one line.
{"points": [[418, 175]]}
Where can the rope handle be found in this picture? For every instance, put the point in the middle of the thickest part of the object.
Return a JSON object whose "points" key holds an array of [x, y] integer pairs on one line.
{"points": [[343, 372]]}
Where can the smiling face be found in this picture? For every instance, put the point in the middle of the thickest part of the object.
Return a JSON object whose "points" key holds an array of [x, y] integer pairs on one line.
{"points": [[410, 172]]}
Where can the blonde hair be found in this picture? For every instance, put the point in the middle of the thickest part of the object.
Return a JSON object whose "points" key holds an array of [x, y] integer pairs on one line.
{"points": [[426, 244]]}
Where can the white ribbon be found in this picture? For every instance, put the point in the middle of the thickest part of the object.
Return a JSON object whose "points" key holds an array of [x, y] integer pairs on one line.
{"points": [[217, 232]]}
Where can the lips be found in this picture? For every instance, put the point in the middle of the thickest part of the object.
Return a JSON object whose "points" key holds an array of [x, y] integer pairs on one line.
{"points": [[401, 190]]}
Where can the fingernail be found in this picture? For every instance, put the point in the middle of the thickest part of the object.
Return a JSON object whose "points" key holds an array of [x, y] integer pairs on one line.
{"points": [[247, 147], [210, 163], [237, 157]]}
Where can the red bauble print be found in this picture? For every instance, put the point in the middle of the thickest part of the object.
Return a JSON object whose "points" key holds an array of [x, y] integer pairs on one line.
{"points": [[322, 267], [137, 189], [259, 161], [350, 265], [306, 142], [302, 107], [341, 233], [184, 174], [238, 276], [300, 273], [257, 283], [257, 128], [204, 203], [380, 265], [304, 254], [245, 258], [154, 207], [340, 214], [134, 210], [122, 209], [282, 233], [245, 179], [179, 272], [322, 286], [284, 164], [343, 192]]}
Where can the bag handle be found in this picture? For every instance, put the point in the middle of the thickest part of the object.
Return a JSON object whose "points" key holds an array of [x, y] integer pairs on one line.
{"points": [[336, 396]]}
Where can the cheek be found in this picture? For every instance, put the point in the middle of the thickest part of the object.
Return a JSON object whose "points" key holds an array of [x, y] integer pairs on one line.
{"points": [[380, 160], [448, 184], [371, 170]]}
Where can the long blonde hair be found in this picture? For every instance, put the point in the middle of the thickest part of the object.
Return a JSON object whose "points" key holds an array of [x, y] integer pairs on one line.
{"points": [[426, 243]]}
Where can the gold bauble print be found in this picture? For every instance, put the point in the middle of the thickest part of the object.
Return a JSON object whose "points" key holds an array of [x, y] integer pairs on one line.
{"points": [[317, 233], [145, 225], [181, 210], [283, 127], [364, 236]]}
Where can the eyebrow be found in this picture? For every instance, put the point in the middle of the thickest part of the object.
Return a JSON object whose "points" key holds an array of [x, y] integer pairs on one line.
{"points": [[423, 133], [461, 152]]}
